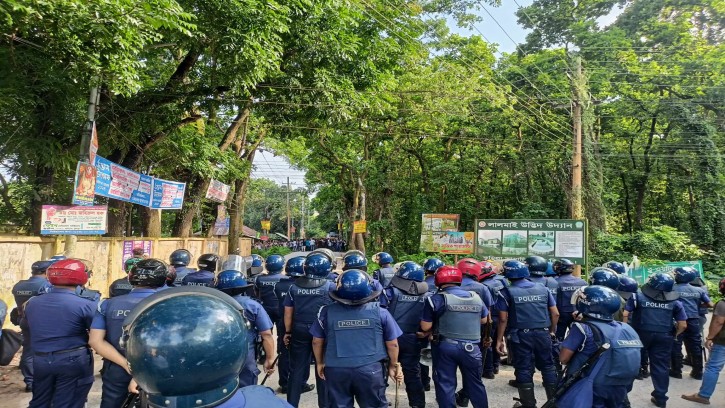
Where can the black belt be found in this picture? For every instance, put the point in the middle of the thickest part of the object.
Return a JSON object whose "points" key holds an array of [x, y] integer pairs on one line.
{"points": [[41, 353], [530, 330]]}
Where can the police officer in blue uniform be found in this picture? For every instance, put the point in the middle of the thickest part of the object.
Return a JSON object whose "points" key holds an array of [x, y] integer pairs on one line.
{"points": [[703, 311], [626, 289], [120, 287], [232, 282], [691, 297], [204, 368], [58, 323], [454, 316], [617, 267], [180, 260], [537, 270], [601, 276], [36, 285], [353, 259], [207, 264], [385, 274], [302, 304], [256, 268], [430, 267], [351, 338], [615, 370], [528, 317], [265, 286], [651, 312], [494, 282], [568, 284], [82, 290], [146, 276], [404, 299]]}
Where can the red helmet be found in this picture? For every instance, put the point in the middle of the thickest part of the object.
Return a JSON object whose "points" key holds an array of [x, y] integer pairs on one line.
{"points": [[487, 270], [68, 272], [448, 275], [469, 267]]}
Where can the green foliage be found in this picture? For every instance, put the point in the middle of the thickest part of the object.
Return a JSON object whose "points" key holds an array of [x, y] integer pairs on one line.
{"points": [[659, 244], [275, 250]]}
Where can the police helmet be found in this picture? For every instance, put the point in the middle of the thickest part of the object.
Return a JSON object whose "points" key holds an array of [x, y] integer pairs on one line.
{"points": [[295, 266], [383, 258], [448, 275], [274, 264], [431, 265], [617, 267], [411, 271], [685, 274], [598, 302], [40, 267], [150, 273], [355, 261], [627, 286], [513, 269], [208, 262], [328, 253], [469, 267], [186, 346], [68, 272], [353, 285], [660, 286], [180, 257], [563, 266], [604, 277], [537, 265], [256, 265], [487, 270], [58, 257], [317, 266], [230, 281], [549, 269]]}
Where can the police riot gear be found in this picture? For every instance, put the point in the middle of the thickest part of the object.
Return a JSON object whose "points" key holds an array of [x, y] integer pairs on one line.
{"points": [[356, 335], [563, 266], [529, 308], [537, 265], [354, 260], [180, 257], [149, 273], [617, 267], [295, 267], [274, 264], [604, 277], [513, 269], [599, 302], [462, 320], [431, 265]]}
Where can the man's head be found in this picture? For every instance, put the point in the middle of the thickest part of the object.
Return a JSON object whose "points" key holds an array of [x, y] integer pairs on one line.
{"points": [[137, 252]]}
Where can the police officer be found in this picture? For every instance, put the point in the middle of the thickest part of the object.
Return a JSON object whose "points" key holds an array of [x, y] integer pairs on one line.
{"points": [[120, 287], [601, 276], [691, 297], [455, 317], [58, 323], [352, 260], [568, 284], [207, 264], [626, 288], [303, 301], [651, 312], [82, 290], [256, 269], [494, 282], [232, 282], [430, 267], [180, 260], [36, 285], [615, 370], [537, 270], [351, 338], [404, 299], [204, 368], [703, 311], [617, 267], [265, 286], [528, 316], [146, 276], [385, 274]]}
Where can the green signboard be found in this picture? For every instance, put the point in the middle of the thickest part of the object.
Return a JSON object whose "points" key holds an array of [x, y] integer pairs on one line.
{"points": [[551, 239], [643, 272]]}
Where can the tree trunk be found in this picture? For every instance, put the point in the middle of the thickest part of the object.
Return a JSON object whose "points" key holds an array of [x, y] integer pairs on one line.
{"points": [[42, 193], [642, 184], [236, 213], [151, 222]]}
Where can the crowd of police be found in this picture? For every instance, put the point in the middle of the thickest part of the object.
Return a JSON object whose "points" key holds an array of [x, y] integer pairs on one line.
{"points": [[173, 336]]}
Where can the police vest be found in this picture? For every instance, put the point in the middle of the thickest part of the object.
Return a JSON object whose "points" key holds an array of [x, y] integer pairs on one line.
{"points": [[690, 297], [385, 275], [653, 315], [406, 309], [479, 289], [529, 307], [354, 335], [280, 292], [89, 294], [200, 278], [117, 309], [461, 318], [308, 301], [26, 289], [120, 287], [430, 280], [620, 364], [548, 282], [180, 273], [568, 284], [494, 286], [265, 288]]}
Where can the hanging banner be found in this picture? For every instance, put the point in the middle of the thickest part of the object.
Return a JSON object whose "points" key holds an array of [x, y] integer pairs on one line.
{"points": [[266, 225], [217, 191], [221, 225], [76, 220], [551, 239], [459, 243], [93, 148], [360, 227], [129, 246], [167, 195], [84, 190], [120, 183], [433, 225]]}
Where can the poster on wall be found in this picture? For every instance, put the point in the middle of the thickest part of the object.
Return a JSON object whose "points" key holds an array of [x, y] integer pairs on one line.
{"points": [[458, 243], [433, 227], [167, 195], [360, 227], [217, 191], [129, 246], [84, 188], [75, 220], [551, 239], [120, 183]]}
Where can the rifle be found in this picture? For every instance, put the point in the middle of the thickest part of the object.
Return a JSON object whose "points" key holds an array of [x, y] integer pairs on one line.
{"points": [[570, 380]]}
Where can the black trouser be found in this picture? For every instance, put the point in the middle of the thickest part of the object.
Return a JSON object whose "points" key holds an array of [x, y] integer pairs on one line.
{"points": [[692, 337], [409, 357], [300, 357]]}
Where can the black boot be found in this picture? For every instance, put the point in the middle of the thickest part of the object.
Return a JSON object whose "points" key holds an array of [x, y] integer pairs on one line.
{"points": [[514, 383], [527, 398], [461, 400], [550, 390]]}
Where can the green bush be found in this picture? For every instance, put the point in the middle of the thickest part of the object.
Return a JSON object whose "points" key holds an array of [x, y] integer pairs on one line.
{"points": [[656, 245], [275, 250]]}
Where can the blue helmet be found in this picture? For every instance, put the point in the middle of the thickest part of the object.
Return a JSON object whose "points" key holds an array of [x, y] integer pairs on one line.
{"points": [[257, 265], [660, 286], [411, 271], [40, 267], [563, 266], [58, 257], [627, 286], [384, 258], [208, 262], [194, 335], [537, 265], [295, 266], [604, 277], [231, 281], [317, 266], [274, 264], [617, 267], [353, 285], [550, 269], [431, 265], [180, 257], [354, 260], [599, 302], [513, 269], [685, 274]]}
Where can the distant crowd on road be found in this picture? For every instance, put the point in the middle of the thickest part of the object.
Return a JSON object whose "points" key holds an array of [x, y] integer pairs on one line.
{"points": [[305, 245]]}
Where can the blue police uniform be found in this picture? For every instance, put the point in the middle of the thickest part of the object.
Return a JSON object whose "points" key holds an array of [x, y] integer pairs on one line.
{"points": [[259, 321], [332, 277], [691, 298], [527, 330], [568, 284], [254, 396], [120, 287], [456, 316], [493, 359], [354, 352], [22, 292], [306, 302], [430, 280], [89, 294], [109, 317], [424, 369], [406, 309], [265, 289], [62, 363], [384, 275], [199, 278], [547, 281], [181, 272], [280, 292], [653, 321]]}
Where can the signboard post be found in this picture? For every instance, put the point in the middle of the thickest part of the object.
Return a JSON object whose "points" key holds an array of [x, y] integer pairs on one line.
{"points": [[62, 220], [217, 191], [360, 227], [643, 273], [436, 225]]}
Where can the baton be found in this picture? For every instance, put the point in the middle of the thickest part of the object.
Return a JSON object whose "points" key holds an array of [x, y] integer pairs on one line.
{"points": [[131, 400], [274, 363], [397, 395]]}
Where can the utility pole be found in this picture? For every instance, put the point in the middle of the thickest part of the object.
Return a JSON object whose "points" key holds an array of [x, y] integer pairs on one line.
{"points": [[289, 219], [576, 162]]}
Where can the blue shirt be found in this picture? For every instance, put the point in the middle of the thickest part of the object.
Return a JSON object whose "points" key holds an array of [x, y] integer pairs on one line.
{"points": [[59, 320], [99, 319], [255, 313], [502, 303], [391, 331], [582, 342], [678, 311], [33, 286], [435, 306], [289, 299]]}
